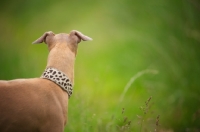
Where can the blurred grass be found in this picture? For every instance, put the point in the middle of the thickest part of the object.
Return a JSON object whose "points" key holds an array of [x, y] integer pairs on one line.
{"points": [[129, 37]]}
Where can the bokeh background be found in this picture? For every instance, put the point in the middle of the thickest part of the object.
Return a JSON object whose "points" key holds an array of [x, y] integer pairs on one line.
{"points": [[141, 49]]}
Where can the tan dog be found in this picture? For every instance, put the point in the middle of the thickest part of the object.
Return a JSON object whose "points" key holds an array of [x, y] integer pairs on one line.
{"points": [[40, 104]]}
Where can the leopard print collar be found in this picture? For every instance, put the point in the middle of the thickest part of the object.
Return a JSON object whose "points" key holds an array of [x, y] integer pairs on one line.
{"points": [[59, 78]]}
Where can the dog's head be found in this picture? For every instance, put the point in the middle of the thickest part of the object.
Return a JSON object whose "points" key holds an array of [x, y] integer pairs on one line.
{"points": [[71, 40]]}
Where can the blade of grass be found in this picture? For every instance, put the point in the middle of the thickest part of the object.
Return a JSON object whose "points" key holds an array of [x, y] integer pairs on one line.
{"points": [[131, 81]]}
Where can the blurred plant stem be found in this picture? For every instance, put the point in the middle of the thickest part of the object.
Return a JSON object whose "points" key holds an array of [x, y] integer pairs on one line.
{"points": [[131, 81]]}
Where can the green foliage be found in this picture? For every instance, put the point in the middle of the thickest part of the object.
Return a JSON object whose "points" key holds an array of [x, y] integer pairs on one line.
{"points": [[129, 37]]}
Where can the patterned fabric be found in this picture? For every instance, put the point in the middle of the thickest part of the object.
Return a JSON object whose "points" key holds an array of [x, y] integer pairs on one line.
{"points": [[59, 78]]}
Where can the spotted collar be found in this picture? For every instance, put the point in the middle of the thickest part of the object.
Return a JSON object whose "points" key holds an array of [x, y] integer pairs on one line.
{"points": [[59, 78]]}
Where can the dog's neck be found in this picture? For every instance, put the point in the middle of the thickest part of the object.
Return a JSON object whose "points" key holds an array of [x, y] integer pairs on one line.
{"points": [[62, 58], [60, 67]]}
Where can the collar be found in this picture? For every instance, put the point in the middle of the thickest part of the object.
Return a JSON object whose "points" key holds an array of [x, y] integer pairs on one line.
{"points": [[59, 78]]}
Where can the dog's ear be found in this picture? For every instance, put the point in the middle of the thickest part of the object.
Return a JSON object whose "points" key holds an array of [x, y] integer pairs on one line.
{"points": [[80, 35], [42, 38]]}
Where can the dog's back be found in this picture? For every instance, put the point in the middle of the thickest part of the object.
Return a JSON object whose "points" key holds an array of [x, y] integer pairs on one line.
{"points": [[26, 107]]}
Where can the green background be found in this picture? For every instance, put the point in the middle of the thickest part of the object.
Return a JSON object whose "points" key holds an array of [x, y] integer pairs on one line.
{"points": [[149, 48]]}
